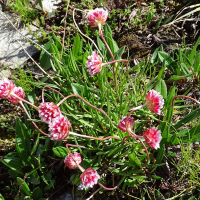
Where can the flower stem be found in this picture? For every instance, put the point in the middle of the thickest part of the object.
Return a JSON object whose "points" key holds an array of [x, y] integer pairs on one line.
{"points": [[72, 145], [183, 96], [106, 187], [75, 95], [50, 89], [102, 37], [31, 119], [27, 102], [134, 135], [94, 138]]}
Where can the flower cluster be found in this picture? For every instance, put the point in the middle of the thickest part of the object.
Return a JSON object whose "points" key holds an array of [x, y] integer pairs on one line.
{"points": [[69, 161], [97, 17], [94, 64], [59, 125], [9, 91]]}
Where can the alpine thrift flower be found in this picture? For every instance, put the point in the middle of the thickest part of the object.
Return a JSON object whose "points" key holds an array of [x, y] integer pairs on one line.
{"points": [[6, 87], [59, 128], [94, 64], [17, 91], [153, 137], [69, 161], [48, 111], [97, 17], [154, 101], [89, 177], [122, 124]]}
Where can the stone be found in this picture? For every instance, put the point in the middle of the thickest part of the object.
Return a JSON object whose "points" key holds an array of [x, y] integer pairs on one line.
{"points": [[11, 52]]}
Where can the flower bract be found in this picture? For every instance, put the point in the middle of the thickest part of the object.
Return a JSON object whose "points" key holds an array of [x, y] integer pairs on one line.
{"points": [[153, 137], [69, 161], [97, 17], [154, 101], [48, 111], [94, 64], [6, 87], [89, 177], [17, 91], [122, 124], [59, 128]]}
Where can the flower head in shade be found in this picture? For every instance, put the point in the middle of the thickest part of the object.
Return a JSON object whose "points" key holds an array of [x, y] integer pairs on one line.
{"points": [[153, 137], [122, 124], [59, 128], [94, 64], [97, 17], [154, 101], [17, 91], [6, 87], [69, 161], [89, 177], [48, 111]]}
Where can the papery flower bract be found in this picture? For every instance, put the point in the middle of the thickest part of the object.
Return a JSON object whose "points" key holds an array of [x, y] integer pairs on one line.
{"points": [[89, 177], [94, 64], [48, 111], [59, 128], [17, 91], [122, 124], [6, 87], [154, 101], [69, 161], [153, 137], [97, 16], [47, 6]]}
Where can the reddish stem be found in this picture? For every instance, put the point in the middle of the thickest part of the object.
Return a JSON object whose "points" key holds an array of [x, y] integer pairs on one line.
{"points": [[75, 95], [102, 37], [31, 119], [72, 145], [131, 133], [27, 102], [50, 89], [183, 96], [106, 187], [122, 60]]}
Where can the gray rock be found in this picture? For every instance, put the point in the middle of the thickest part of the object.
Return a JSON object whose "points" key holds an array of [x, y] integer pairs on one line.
{"points": [[11, 53]]}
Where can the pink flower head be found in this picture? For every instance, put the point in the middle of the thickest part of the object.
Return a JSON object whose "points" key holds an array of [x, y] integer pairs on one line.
{"points": [[94, 64], [122, 124], [59, 128], [6, 87], [48, 111], [154, 101], [97, 16], [69, 161], [89, 177], [153, 137], [17, 91]]}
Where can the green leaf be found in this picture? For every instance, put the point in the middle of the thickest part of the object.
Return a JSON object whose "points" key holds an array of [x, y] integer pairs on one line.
{"points": [[36, 144], [133, 157], [1, 197], [37, 193], [60, 152], [193, 115], [193, 52], [118, 54], [24, 187], [170, 62], [77, 88], [156, 177], [162, 88], [197, 64], [161, 152], [101, 45], [40, 3], [23, 141], [167, 20], [76, 45], [175, 78], [155, 55], [171, 153]]}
